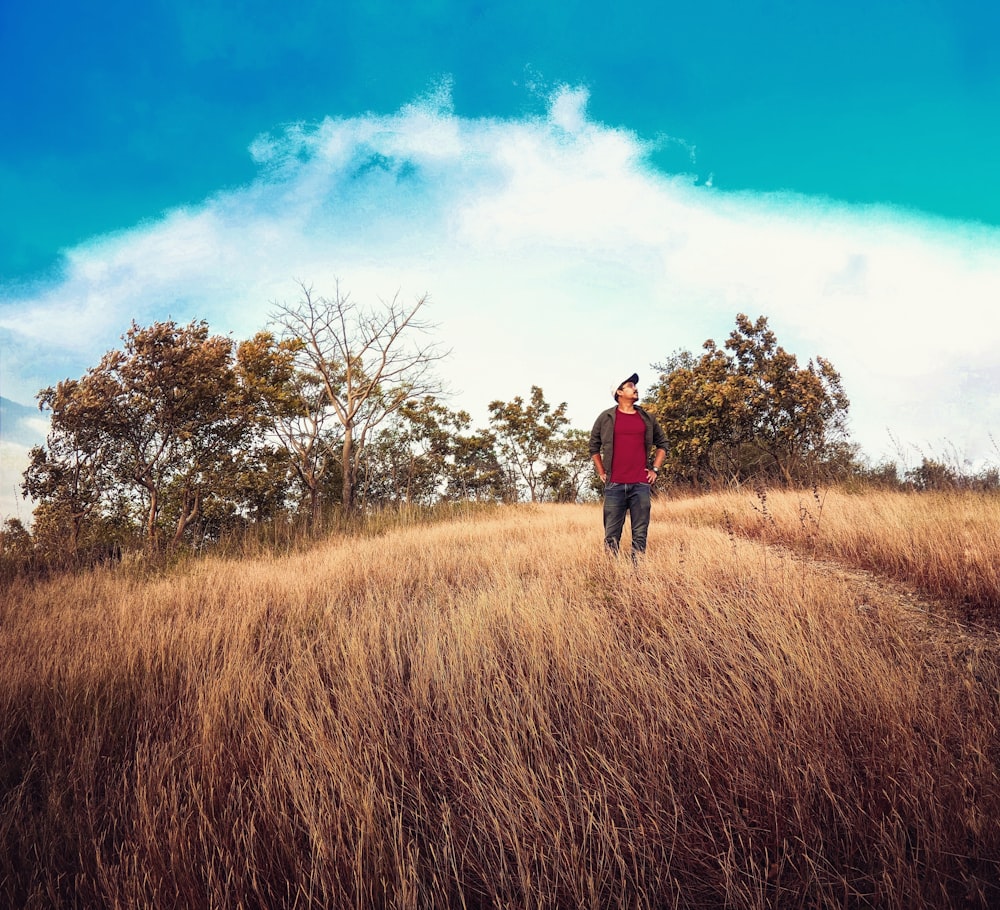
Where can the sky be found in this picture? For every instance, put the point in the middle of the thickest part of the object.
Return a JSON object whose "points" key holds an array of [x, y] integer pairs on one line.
{"points": [[580, 191]]}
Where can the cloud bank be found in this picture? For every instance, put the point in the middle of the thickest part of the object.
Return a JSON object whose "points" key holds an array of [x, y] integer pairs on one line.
{"points": [[555, 254]]}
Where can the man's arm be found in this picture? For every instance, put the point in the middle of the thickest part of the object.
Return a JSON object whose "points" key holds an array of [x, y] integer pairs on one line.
{"points": [[599, 467], [658, 458], [595, 450], [595, 437], [659, 440]]}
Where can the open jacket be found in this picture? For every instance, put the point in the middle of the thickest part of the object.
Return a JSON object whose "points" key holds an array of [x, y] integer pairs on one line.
{"points": [[602, 437]]}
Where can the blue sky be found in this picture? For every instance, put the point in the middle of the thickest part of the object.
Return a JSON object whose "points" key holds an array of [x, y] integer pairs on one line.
{"points": [[574, 185], [111, 116]]}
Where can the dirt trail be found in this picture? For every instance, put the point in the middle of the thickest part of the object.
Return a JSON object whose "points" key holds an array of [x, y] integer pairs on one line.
{"points": [[946, 621]]}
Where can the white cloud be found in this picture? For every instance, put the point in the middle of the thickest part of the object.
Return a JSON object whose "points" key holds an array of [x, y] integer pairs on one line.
{"points": [[13, 463], [554, 254], [22, 428]]}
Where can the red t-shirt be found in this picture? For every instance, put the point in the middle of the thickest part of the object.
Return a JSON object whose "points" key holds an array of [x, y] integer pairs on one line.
{"points": [[628, 461]]}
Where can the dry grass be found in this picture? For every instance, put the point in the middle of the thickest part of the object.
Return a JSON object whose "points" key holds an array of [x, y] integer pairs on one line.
{"points": [[492, 713], [944, 544]]}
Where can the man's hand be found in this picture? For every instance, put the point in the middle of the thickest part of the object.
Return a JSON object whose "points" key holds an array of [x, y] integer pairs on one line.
{"points": [[651, 475]]}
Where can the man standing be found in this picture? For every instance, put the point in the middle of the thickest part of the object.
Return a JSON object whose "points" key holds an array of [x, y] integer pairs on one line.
{"points": [[619, 446]]}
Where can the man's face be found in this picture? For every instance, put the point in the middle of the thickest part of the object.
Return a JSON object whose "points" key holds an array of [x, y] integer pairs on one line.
{"points": [[628, 392]]}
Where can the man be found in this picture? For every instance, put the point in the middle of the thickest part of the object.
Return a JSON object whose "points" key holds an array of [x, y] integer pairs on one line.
{"points": [[619, 446]]}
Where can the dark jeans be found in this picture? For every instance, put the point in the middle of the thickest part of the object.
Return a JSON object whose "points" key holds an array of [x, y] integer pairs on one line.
{"points": [[620, 498]]}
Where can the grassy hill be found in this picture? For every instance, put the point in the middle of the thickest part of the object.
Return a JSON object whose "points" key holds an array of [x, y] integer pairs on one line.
{"points": [[768, 711]]}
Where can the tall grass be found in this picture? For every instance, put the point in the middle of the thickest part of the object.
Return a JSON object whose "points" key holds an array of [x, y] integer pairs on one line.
{"points": [[491, 712], [944, 544], [287, 535]]}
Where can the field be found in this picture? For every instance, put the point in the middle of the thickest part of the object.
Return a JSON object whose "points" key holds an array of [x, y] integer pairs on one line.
{"points": [[790, 702]]}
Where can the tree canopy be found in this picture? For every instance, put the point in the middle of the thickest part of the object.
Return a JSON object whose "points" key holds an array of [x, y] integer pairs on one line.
{"points": [[748, 409], [529, 435], [159, 426]]}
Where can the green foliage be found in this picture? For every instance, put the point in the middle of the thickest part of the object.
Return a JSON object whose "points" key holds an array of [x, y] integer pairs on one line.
{"points": [[16, 548], [477, 473], [566, 475], [933, 474], [293, 406], [748, 410], [410, 460], [427, 454], [541, 455], [160, 429], [884, 475]]}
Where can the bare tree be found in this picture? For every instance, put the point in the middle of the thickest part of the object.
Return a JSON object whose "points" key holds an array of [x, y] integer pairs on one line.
{"points": [[301, 423], [369, 362]]}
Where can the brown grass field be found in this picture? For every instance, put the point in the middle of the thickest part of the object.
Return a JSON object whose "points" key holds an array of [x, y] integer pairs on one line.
{"points": [[784, 705]]}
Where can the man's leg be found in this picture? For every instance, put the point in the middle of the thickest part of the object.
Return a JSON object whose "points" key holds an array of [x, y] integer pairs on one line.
{"points": [[614, 514], [638, 510]]}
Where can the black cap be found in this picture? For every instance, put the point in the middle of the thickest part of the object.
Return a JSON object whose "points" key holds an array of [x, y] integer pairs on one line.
{"points": [[634, 378]]}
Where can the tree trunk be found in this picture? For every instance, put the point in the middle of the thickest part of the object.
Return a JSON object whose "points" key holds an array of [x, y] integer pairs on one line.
{"points": [[345, 464], [314, 512], [154, 505], [186, 517]]}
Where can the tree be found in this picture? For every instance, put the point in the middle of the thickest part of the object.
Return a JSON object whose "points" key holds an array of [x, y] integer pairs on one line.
{"points": [[312, 436], [695, 404], [154, 425], [477, 472], [293, 406], [15, 541], [413, 458], [934, 475], [365, 360], [16, 547], [793, 414], [569, 467], [529, 439], [70, 478], [749, 410]]}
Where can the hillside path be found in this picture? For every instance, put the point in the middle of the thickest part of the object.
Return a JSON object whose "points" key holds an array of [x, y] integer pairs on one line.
{"points": [[945, 620]]}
